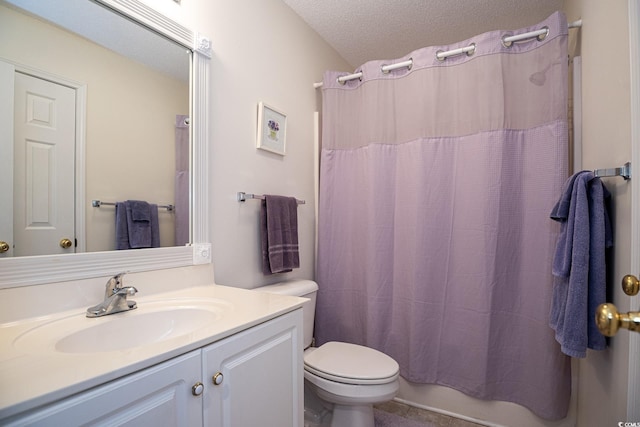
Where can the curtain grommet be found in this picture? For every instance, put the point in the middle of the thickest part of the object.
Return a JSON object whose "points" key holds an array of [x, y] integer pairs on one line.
{"points": [[386, 68], [348, 77], [472, 51], [544, 35], [506, 43]]}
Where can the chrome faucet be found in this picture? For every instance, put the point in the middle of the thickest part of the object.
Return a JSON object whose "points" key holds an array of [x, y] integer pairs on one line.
{"points": [[115, 298]]}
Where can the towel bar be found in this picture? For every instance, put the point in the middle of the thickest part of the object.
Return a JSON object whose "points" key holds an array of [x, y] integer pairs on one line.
{"points": [[98, 203], [623, 171], [242, 197]]}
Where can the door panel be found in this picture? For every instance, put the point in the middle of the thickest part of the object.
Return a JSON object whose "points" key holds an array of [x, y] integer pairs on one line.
{"points": [[157, 396], [260, 369], [7, 72], [44, 151]]}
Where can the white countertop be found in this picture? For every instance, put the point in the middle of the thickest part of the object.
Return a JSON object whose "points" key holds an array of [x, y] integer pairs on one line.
{"points": [[29, 379]]}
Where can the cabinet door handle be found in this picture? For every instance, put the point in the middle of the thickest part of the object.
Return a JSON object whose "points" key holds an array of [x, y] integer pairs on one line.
{"points": [[197, 389], [217, 378]]}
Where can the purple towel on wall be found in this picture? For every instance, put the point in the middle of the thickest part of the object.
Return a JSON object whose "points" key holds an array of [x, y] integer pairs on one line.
{"points": [[279, 234], [579, 266], [122, 231], [137, 225]]}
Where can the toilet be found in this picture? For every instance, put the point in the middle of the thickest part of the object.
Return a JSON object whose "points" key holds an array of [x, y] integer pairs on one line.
{"points": [[342, 379]]}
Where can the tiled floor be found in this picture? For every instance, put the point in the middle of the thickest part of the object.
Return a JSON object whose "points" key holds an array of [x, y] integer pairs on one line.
{"points": [[423, 415]]}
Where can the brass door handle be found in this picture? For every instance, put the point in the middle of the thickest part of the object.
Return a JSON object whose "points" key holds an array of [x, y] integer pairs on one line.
{"points": [[65, 243], [4, 247], [630, 285], [609, 320]]}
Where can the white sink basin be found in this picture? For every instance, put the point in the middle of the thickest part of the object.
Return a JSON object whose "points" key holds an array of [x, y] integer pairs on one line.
{"points": [[150, 323]]}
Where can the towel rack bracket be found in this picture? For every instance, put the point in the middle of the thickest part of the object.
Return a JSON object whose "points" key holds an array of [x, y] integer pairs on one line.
{"points": [[241, 196], [98, 203], [624, 171]]}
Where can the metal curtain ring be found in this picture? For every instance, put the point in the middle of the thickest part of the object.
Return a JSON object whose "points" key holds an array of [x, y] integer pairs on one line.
{"points": [[546, 33], [387, 71], [471, 52], [539, 37], [506, 43], [344, 82]]}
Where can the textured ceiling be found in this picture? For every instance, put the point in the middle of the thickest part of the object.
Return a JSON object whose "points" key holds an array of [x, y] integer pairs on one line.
{"points": [[364, 30]]}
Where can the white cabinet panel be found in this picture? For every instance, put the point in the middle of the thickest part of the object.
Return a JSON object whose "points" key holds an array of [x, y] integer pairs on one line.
{"points": [[262, 377], [158, 396]]}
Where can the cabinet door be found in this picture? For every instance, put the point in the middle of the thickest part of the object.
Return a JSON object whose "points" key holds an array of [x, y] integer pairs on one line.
{"points": [[262, 377], [157, 396]]}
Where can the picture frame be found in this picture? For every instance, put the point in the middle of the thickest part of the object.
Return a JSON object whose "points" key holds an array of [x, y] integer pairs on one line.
{"points": [[272, 129]]}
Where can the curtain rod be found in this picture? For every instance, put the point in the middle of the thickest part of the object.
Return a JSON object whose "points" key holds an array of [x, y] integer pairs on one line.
{"points": [[468, 50]]}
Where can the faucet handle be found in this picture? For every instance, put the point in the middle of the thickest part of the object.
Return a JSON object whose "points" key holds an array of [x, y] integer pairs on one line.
{"points": [[114, 283], [128, 291]]}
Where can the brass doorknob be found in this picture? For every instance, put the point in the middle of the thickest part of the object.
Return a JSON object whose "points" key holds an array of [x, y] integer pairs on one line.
{"points": [[630, 285], [65, 243], [4, 247], [609, 320]]}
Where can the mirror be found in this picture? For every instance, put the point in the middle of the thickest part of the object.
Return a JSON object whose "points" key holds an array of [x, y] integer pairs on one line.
{"points": [[119, 127], [25, 270]]}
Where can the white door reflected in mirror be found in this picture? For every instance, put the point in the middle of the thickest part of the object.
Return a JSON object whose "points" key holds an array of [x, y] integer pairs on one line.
{"points": [[6, 161], [44, 135]]}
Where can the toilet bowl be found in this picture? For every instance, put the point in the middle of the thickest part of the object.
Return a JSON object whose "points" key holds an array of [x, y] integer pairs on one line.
{"points": [[348, 379]]}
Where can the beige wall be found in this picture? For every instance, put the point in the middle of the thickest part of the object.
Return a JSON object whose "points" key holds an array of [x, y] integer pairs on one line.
{"points": [[129, 139], [606, 130], [262, 51]]}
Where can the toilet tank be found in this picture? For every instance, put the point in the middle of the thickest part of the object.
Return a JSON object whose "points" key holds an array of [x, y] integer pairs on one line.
{"points": [[299, 288]]}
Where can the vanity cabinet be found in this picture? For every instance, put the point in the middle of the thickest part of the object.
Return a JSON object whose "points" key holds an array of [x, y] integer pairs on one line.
{"points": [[251, 378], [157, 396], [255, 378]]}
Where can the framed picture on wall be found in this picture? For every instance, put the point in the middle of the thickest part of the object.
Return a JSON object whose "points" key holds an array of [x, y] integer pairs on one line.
{"points": [[272, 129]]}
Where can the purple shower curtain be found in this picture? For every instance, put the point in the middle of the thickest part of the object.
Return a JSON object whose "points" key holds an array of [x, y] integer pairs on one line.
{"points": [[182, 181], [434, 238]]}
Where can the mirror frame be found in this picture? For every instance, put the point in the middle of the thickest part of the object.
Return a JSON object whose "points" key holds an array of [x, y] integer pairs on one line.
{"points": [[34, 270]]}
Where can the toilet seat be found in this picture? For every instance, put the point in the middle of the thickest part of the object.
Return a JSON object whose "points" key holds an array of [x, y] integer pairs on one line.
{"points": [[351, 364]]}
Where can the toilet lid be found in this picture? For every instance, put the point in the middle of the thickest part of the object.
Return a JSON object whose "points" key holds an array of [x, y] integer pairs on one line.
{"points": [[351, 363]]}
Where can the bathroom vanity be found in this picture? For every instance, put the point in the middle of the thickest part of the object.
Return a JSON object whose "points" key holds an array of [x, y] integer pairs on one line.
{"points": [[200, 356]]}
